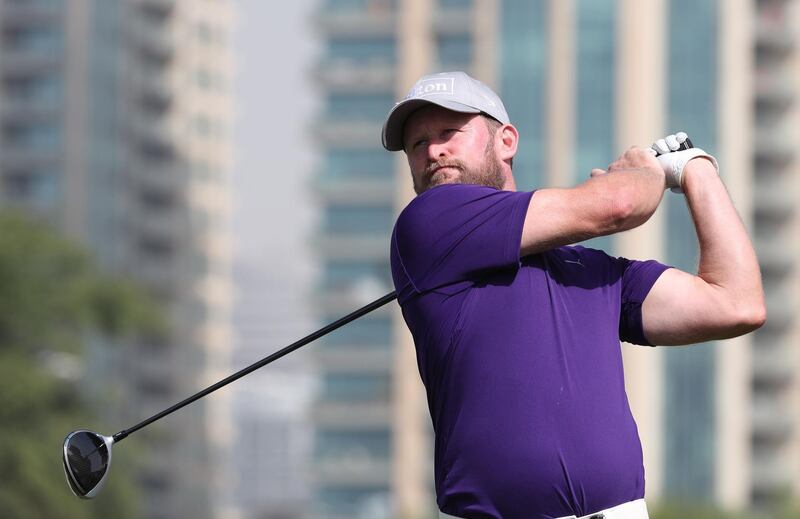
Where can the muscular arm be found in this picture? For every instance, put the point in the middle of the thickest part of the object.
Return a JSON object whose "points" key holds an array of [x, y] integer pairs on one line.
{"points": [[725, 299], [607, 203]]}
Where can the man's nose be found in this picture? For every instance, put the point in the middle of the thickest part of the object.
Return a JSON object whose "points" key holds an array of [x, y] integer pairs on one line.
{"points": [[437, 150]]}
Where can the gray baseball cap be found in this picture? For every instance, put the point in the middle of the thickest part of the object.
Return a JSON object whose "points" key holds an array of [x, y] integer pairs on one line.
{"points": [[455, 91]]}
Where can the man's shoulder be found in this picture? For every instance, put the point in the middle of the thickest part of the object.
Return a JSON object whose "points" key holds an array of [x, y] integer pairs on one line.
{"points": [[441, 201], [440, 204]]}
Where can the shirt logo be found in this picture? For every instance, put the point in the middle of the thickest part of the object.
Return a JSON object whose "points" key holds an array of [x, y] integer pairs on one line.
{"points": [[438, 86], [575, 262]]}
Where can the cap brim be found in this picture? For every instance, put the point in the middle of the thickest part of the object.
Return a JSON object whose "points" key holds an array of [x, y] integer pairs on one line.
{"points": [[396, 120]]}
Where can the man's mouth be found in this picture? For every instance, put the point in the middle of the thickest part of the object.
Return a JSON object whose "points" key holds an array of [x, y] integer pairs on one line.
{"points": [[437, 169]]}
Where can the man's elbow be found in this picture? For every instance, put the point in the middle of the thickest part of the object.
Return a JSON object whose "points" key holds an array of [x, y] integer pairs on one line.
{"points": [[747, 319], [755, 317], [626, 212]]}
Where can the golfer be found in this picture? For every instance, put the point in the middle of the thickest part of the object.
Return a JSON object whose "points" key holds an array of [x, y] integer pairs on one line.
{"points": [[518, 334]]}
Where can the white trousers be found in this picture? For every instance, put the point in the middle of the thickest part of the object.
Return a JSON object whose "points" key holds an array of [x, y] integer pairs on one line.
{"points": [[631, 510]]}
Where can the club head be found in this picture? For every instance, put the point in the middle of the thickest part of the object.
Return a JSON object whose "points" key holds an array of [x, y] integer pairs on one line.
{"points": [[87, 459]]}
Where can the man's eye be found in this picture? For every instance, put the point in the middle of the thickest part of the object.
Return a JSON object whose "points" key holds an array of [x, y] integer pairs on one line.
{"points": [[418, 143]]}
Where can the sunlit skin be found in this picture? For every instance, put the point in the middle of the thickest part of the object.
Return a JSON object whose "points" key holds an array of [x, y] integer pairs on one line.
{"points": [[446, 147]]}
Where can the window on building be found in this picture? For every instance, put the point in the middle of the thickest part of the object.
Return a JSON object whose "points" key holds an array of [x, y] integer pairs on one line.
{"points": [[455, 51], [361, 50], [357, 220], [359, 106], [352, 444], [356, 387], [339, 274], [459, 4], [368, 331], [357, 163]]}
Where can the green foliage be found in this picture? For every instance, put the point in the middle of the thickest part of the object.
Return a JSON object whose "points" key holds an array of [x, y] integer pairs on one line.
{"points": [[51, 299], [675, 510], [686, 510]]}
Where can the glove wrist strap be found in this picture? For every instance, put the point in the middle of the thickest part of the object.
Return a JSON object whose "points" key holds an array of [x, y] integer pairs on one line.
{"points": [[675, 178]]}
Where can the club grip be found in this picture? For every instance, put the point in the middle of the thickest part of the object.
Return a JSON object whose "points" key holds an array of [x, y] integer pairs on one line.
{"points": [[685, 145]]}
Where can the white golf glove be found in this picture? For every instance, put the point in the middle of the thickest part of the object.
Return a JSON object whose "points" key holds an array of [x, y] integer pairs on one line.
{"points": [[673, 152]]}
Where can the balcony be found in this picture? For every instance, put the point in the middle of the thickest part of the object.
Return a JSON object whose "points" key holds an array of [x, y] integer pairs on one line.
{"points": [[154, 41], [360, 359], [353, 471], [772, 256], [370, 23], [20, 157], [771, 419], [351, 76], [29, 110], [774, 36], [363, 247], [160, 226], [152, 127], [156, 273], [331, 133], [352, 414], [780, 310], [158, 180], [29, 62], [336, 302], [773, 365], [157, 8], [771, 473], [453, 20], [774, 194], [370, 192], [774, 89], [154, 135], [16, 14], [151, 84], [773, 146]]}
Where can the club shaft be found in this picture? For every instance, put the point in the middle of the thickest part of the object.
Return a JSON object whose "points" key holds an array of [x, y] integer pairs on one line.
{"points": [[261, 363]]}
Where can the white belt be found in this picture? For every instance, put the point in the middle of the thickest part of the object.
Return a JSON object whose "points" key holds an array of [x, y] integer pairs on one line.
{"points": [[630, 510]]}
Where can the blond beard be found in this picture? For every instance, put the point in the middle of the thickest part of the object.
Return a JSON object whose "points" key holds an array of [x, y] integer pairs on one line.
{"points": [[489, 174]]}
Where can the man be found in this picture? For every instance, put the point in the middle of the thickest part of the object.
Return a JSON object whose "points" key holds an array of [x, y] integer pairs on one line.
{"points": [[517, 335]]}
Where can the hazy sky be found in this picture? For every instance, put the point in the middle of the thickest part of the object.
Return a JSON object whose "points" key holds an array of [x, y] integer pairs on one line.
{"points": [[274, 48]]}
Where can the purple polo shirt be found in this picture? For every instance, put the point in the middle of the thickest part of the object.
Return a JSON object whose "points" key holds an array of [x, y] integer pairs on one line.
{"points": [[520, 358]]}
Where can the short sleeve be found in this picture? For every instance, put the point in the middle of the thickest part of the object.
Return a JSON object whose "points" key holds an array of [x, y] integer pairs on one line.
{"points": [[452, 232], [637, 280]]}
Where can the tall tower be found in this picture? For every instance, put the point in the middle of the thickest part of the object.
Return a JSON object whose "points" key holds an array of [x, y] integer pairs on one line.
{"points": [[602, 76], [373, 454], [114, 128], [776, 188], [717, 421], [582, 80]]}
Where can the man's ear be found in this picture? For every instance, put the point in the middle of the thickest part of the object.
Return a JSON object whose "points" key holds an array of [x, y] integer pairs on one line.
{"points": [[507, 140]]}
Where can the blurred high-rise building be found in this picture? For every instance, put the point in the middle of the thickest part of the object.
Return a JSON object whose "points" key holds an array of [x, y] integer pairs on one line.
{"points": [[582, 80], [775, 436], [114, 119], [272, 436], [372, 452]]}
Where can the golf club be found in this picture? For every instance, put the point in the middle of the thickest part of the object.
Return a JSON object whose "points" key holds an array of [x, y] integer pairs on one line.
{"points": [[87, 454]]}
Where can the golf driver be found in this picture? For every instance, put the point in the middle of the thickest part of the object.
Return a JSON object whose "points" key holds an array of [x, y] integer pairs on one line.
{"points": [[87, 454]]}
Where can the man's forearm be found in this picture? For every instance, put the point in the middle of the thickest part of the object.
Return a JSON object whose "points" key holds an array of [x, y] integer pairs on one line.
{"points": [[611, 201], [639, 192], [727, 259]]}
